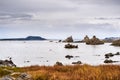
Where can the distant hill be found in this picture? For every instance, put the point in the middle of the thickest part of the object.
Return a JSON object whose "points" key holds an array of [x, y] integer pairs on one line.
{"points": [[110, 39], [21, 39]]}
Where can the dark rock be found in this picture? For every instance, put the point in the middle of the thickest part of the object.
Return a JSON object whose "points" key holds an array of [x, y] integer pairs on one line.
{"points": [[78, 62], [109, 55], [93, 41], [110, 61], [118, 53], [69, 56], [58, 64], [69, 39], [71, 46], [60, 41]]}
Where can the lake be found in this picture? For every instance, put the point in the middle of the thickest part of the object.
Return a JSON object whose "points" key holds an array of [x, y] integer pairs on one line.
{"points": [[26, 53]]}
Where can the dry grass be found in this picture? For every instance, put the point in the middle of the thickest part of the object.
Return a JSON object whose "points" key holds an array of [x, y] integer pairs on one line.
{"points": [[76, 72]]}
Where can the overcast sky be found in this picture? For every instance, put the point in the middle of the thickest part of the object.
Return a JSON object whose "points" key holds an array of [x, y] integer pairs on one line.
{"points": [[59, 18]]}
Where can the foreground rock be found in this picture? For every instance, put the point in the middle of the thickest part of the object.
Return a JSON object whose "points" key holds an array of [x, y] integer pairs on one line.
{"points": [[110, 61], [69, 39], [7, 63], [69, 56], [21, 76], [71, 46], [78, 62], [93, 41], [116, 43]]}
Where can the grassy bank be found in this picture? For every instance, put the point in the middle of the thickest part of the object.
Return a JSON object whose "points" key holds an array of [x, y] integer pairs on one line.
{"points": [[76, 72]]}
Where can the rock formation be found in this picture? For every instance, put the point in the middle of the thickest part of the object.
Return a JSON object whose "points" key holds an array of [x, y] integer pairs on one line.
{"points": [[93, 41], [7, 63], [116, 43], [86, 38], [69, 39]]}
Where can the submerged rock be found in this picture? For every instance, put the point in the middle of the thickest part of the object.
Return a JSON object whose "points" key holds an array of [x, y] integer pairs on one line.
{"points": [[71, 46], [69, 39]]}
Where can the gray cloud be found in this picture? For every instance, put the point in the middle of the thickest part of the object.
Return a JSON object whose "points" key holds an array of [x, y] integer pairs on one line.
{"points": [[66, 17]]}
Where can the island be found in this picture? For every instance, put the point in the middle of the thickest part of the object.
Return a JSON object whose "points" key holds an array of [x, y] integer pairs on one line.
{"points": [[29, 38]]}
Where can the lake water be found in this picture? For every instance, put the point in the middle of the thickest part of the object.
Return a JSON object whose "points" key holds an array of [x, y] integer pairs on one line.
{"points": [[47, 53]]}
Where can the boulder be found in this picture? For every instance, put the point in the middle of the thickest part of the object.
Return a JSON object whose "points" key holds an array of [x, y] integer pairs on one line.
{"points": [[69, 39], [108, 61], [69, 56], [58, 64], [78, 62], [109, 55], [69, 46]]}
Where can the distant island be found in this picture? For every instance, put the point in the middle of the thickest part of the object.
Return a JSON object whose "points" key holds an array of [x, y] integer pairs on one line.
{"points": [[111, 39], [22, 39]]}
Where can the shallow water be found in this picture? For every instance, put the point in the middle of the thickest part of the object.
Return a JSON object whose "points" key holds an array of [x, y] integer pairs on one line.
{"points": [[26, 53]]}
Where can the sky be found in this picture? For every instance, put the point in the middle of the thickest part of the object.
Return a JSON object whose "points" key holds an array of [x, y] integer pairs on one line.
{"points": [[58, 19]]}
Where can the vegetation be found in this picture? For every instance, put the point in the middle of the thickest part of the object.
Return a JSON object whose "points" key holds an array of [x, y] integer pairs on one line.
{"points": [[68, 72], [8, 70], [74, 72]]}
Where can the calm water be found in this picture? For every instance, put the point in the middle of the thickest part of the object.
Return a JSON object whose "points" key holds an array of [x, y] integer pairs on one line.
{"points": [[47, 53]]}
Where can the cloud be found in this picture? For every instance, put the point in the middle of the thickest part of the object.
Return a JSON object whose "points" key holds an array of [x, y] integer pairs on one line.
{"points": [[65, 17]]}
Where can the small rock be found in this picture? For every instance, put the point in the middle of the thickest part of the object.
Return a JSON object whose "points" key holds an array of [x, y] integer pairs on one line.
{"points": [[59, 64], [108, 61], [78, 62], [69, 56], [118, 53], [109, 55]]}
